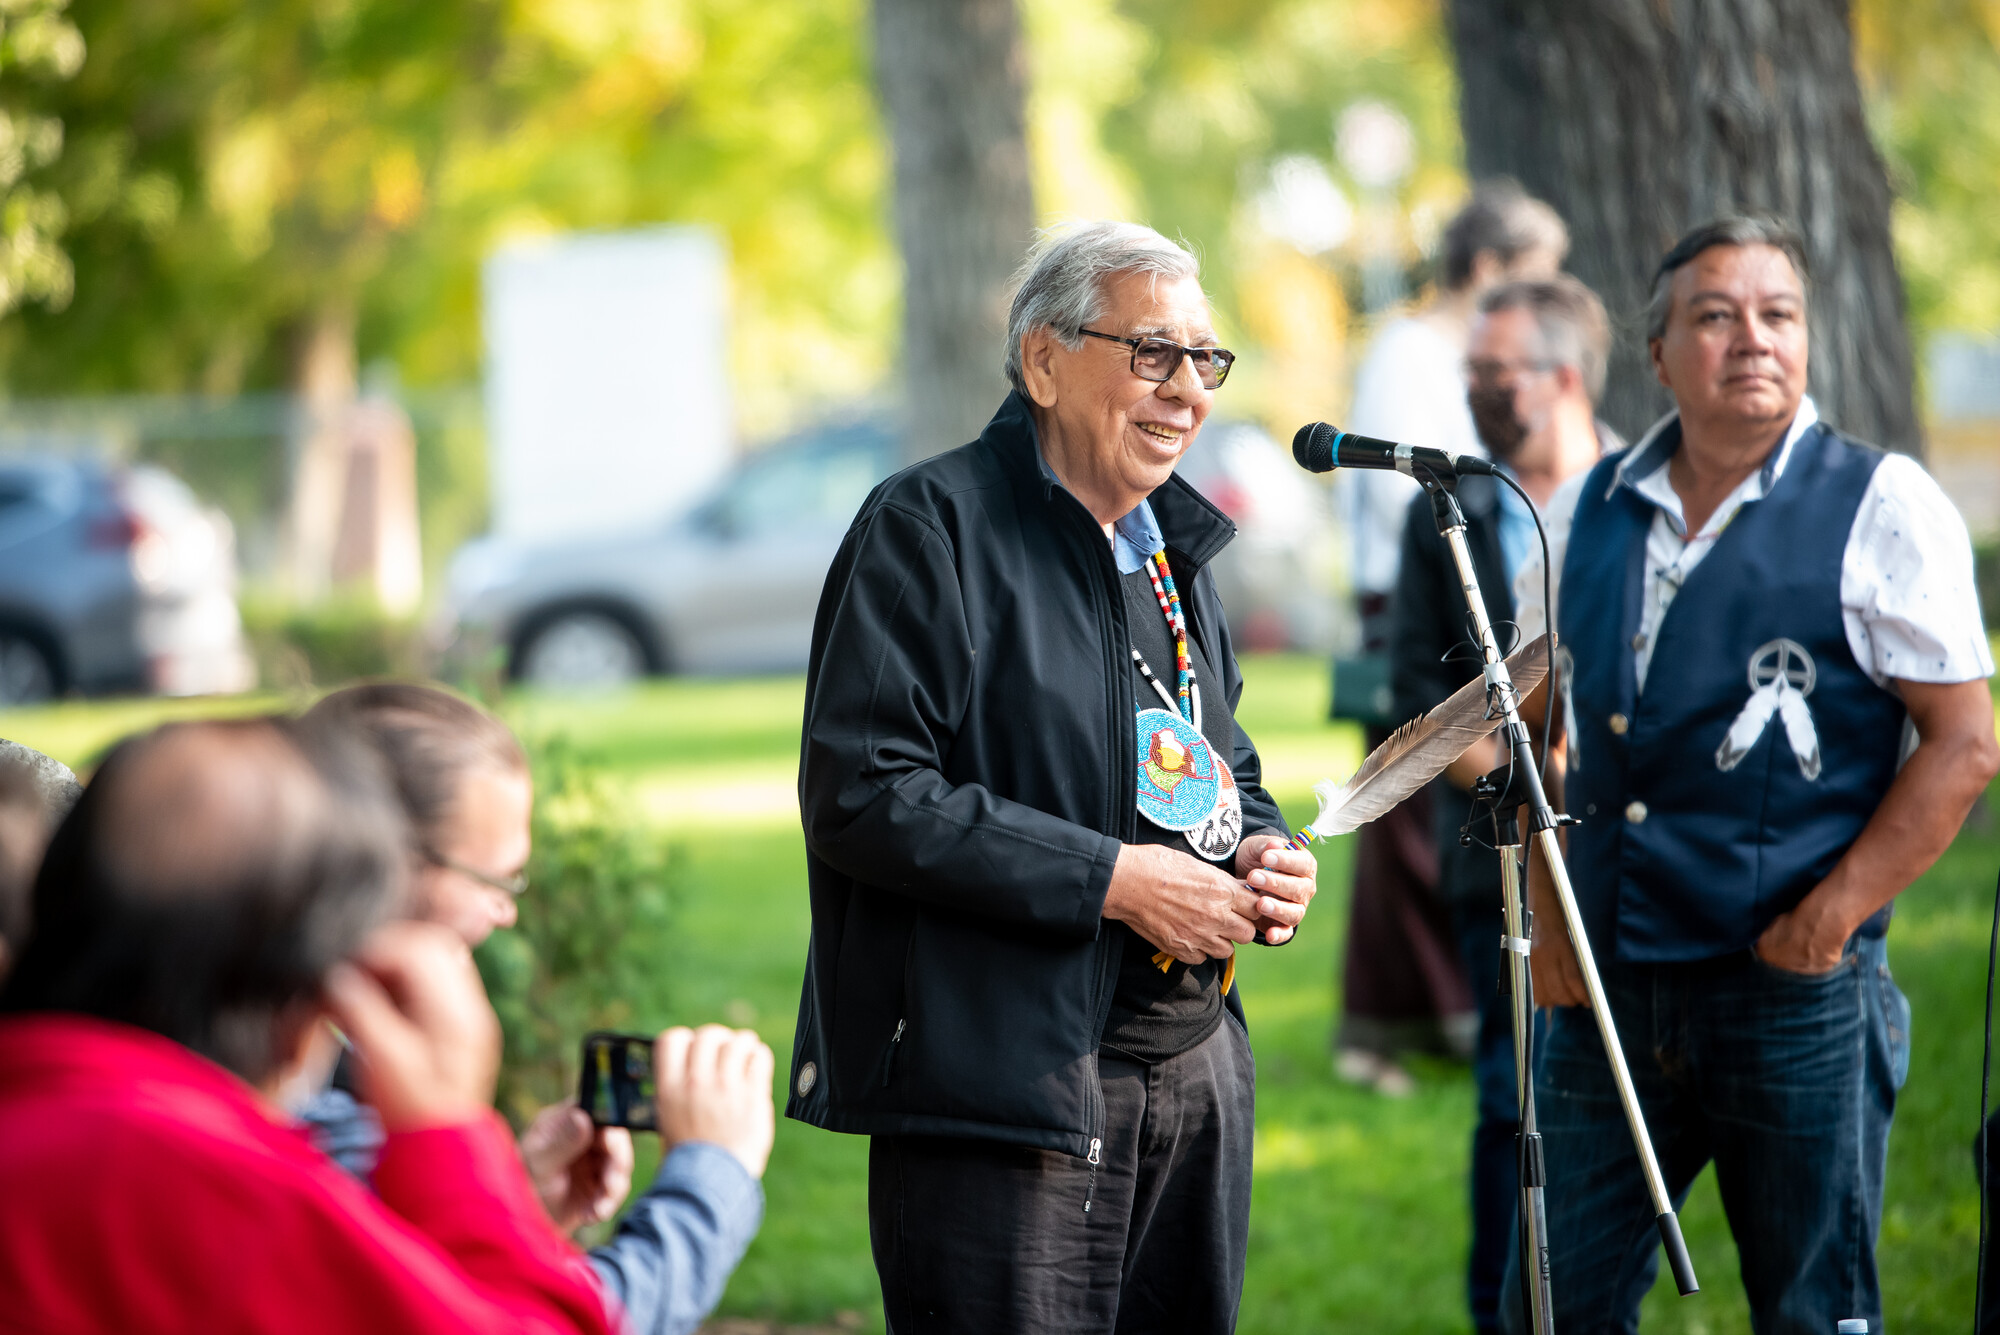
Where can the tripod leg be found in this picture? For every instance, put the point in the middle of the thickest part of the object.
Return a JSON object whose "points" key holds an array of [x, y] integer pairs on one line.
{"points": [[1514, 947]]}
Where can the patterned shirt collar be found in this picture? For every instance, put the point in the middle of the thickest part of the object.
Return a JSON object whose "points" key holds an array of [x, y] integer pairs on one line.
{"points": [[1649, 457]]}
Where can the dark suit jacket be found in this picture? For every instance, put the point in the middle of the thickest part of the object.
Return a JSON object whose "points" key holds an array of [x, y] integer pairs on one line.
{"points": [[1428, 619]]}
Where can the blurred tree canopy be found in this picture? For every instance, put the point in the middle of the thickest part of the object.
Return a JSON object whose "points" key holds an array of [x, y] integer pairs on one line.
{"points": [[238, 171], [38, 47], [1930, 71], [234, 173]]}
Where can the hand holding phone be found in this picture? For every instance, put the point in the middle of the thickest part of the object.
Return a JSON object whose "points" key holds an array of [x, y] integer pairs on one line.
{"points": [[710, 1084], [581, 1172]]}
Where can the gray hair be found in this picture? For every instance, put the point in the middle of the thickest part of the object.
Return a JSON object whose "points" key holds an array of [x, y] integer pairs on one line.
{"points": [[1569, 319], [1061, 283], [1739, 230]]}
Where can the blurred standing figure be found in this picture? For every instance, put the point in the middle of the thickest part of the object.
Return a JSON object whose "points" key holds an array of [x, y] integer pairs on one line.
{"points": [[1763, 615], [1401, 980], [1534, 366], [464, 784]]}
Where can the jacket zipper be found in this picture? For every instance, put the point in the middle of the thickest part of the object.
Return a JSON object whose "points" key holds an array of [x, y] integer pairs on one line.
{"points": [[895, 1045], [1125, 814]]}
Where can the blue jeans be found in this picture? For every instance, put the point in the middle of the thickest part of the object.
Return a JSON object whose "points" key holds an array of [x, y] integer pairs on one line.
{"points": [[1787, 1082]]}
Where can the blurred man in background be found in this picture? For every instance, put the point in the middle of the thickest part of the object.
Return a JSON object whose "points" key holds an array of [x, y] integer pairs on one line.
{"points": [[1400, 977], [214, 896], [1762, 615], [1534, 366]]}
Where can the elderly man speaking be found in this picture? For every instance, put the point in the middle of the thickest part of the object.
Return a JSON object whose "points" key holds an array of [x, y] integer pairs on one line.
{"points": [[1021, 781]]}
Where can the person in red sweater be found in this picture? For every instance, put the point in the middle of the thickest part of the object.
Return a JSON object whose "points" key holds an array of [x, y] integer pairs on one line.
{"points": [[220, 890]]}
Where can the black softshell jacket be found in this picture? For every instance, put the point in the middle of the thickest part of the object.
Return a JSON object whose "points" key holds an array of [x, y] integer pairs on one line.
{"points": [[965, 780]]}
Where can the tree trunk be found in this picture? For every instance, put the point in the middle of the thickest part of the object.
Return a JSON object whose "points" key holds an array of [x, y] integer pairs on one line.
{"points": [[951, 73], [1638, 119]]}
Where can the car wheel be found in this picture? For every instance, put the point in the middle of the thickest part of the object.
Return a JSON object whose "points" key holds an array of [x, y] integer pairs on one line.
{"points": [[582, 651], [26, 676]]}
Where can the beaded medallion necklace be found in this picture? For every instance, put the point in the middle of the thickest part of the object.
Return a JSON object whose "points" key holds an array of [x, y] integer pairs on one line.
{"points": [[1162, 577]]}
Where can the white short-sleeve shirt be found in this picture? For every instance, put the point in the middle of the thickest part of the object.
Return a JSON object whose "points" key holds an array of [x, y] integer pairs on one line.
{"points": [[1907, 599]]}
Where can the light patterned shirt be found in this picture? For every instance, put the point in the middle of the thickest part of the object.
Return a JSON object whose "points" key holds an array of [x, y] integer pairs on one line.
{"points": [[1907, 599]]}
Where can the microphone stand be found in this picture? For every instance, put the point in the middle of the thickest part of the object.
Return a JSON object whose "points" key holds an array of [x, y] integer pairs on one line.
{"points": [[1518, 784]]}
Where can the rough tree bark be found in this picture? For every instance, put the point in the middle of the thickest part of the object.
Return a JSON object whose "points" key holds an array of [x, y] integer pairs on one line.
{"points": [[1638, 119], [951, 75]]}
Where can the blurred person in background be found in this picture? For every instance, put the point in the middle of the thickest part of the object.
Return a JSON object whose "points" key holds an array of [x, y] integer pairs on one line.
{"points": [[1036, 835], [464, 784], [1401, 981], [1763, 615], [216, 895], [1534, 367], [36, 792]]}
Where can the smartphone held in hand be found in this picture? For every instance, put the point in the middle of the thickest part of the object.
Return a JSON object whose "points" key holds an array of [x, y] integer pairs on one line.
{"points": [[617, 1084]]}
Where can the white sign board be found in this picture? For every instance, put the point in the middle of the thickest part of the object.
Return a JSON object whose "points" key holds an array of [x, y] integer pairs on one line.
{"points": [[607, 385]]}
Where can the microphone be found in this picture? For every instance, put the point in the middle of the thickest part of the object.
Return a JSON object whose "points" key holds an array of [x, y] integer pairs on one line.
{"points": [[1320, 448]]}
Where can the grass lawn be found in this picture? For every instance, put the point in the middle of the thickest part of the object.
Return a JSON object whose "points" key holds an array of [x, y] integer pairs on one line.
{"points": [[1358, 1219]]}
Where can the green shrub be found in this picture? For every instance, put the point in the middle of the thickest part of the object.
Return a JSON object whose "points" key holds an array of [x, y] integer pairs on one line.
{"points": [[592, 948], [297, 647]]}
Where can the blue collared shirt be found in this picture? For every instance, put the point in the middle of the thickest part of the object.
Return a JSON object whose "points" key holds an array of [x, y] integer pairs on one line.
{"points": [[1135, 536], [1517, 530]]}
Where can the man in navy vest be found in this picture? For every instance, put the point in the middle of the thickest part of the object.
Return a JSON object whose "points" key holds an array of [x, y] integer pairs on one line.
{"points": [[1781, 719]]}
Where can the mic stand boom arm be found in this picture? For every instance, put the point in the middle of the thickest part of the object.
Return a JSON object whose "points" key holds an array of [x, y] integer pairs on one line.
{"points": [[1542, 824]]}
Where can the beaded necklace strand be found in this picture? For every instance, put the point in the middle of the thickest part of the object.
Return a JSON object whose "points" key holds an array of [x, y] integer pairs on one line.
{"points": [[1170, 607]]}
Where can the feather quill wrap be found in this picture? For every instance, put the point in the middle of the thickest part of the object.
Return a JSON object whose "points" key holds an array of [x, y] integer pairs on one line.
{"points": [[1420, 750]]}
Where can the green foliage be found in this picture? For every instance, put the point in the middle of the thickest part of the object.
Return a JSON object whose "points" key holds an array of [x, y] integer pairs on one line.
{"points": [[38, 47], [1197, 106], [297, 647], [238, 173], [1222, 91], [1931, 72], [592, 947]]}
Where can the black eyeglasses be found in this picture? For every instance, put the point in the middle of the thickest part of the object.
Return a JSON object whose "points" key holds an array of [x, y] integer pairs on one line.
{"points": [[513, 885], [1158, 358]]}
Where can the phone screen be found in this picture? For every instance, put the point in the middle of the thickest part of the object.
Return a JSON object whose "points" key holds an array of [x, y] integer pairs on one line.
{"points": [[617, 1084]]}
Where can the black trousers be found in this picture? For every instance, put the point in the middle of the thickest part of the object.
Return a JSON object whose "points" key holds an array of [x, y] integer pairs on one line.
{"points": [[973, 1236]]}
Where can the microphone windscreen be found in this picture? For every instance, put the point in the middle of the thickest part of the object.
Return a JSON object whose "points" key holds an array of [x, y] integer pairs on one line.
{"points": [[1313, 447]]}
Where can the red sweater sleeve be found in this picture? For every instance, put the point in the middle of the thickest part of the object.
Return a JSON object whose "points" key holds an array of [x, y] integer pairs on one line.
{"points": [[464, 1188], [456, 1243]]}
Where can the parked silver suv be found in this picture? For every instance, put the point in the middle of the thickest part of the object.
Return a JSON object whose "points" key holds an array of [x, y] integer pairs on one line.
{"points": [[732, 587]]}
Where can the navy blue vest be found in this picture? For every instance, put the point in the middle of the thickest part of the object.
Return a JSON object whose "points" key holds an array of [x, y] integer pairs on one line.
{"points": [[1679, 858]]}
